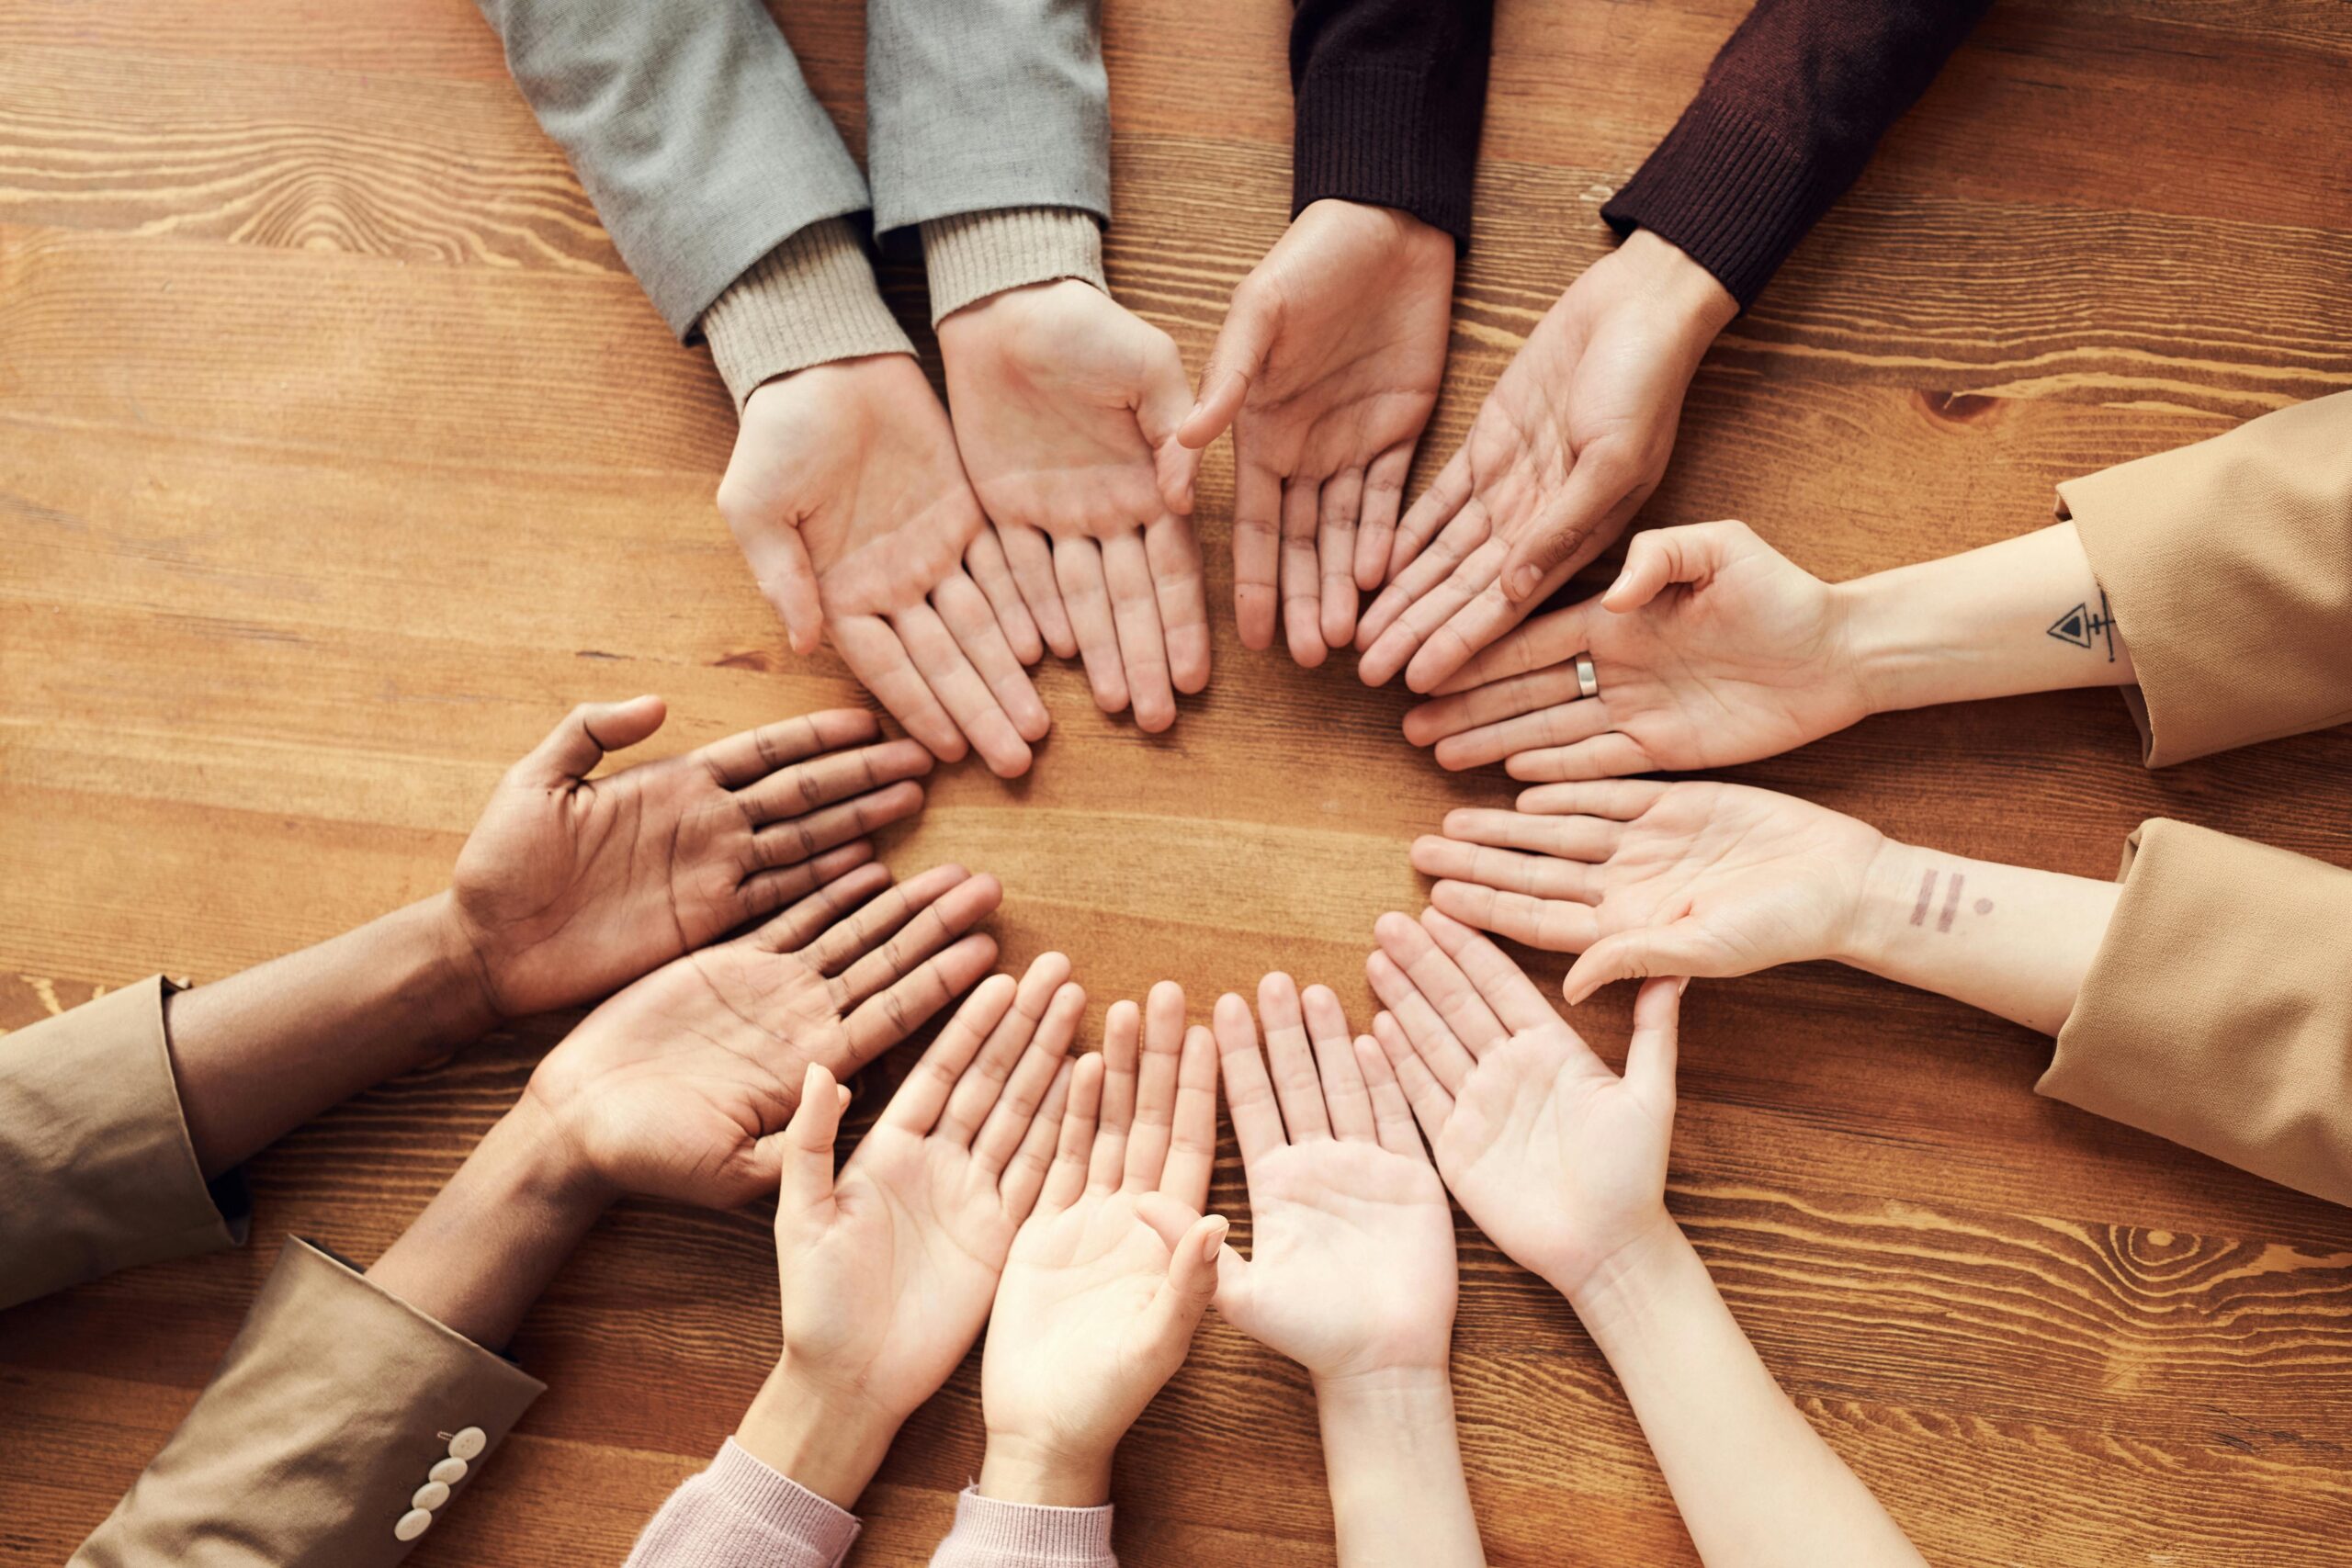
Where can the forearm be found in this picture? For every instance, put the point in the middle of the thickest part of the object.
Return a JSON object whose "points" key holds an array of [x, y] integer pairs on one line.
{"points": [[830, 1444], [1754, 1481], [491, 1240], [1399, 1496], [2008, 939], [262, 1052], [2026, 614]]}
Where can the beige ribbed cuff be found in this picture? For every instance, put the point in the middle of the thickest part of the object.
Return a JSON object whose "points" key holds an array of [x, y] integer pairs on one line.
{"points": [[974, 254], [810, 299]]}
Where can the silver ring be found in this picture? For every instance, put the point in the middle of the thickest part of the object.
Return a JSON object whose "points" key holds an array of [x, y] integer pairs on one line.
{"points": [[1588, 684]]}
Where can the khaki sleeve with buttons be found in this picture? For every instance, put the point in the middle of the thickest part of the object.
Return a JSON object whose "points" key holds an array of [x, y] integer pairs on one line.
{"points": [[2218, 1011], [2227, 569], [341, 1422], [97, 1172]]}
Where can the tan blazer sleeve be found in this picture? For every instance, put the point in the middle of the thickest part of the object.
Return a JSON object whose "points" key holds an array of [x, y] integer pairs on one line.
{"points": [[341, 1423], [97, 1172], [2227, 569], [2218, 1011]]}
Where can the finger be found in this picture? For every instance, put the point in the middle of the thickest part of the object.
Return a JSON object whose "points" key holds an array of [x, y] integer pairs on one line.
{"points": [[1290, 1060], [1335, 553], [1191, 1143], [1479, 708], [1503, 984], [1233, 362], [871, 649], [985, 561], [1650, 1058], [751, 755], [1176, 1307], [574, 748], [1257, 545], [1078, 567], [1427, 517], [962, 691], [1122, 1043], [1447, 1059], [1599, 488], [1544, 642], [1383, 495], [1302, 590], [1392, 1115], [964, 611], [807, 1152], [1248, 1093], [1174, 552], [1569, 723], [1678, 948], [1029, 556], [1454, 621], [945, 920], [1426, 593], [799, 925], [908, 1004], [836, 775], [1024, 1173], [1074, 1151], [779, 557], [1613, 800], [1691, 553], [1610, 756], [1017, 1109], [1344, 1096], [1160, 411], [763, 893], [1143, 646], [1591, 839], [830, 946], [796, 839], [924, 1093], [1438, 978], [1506, 871], [1429, 1103], [1007, 1036], [1163, 1049], [1551, 925]]}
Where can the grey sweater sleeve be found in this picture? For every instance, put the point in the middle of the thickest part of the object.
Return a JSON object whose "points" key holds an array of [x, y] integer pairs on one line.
{"points": [[975, 106], [689, 124]]}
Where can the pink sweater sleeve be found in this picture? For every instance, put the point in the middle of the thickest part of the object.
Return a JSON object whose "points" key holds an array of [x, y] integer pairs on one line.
{"points": [[990, 1534], [740, 1514]]}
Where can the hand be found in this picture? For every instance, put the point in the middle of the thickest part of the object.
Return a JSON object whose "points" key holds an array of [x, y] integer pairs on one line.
{"points": [[1559, 1161], [571, 887], [1642, 878], [1352, 1270], [1327, 369], [1066, 409], [887, 1269], [849, 502], [1564, 450], [678, 1087], [1109, 1277], [1711, 648]]}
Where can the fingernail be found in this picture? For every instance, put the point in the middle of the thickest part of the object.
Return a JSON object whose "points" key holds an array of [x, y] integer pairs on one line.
{"points": [[1684, 987], [1523, 581], [1216, 1242]]}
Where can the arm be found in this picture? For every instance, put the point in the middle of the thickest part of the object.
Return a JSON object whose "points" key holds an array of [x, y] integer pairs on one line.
{"points": [[1563, 1163]]}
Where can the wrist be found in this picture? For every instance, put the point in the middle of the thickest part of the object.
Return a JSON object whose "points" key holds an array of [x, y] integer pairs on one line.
{"points": [[1023, 1469], [463, 956], [1395, 1399], [826, 1440], [1887, 897], [1893, 641], [1625, 1285], [1690, 295]]}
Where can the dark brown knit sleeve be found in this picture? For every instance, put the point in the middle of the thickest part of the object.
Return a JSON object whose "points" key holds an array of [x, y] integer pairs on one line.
{"points": [[1788, 115], [1389, 97]]}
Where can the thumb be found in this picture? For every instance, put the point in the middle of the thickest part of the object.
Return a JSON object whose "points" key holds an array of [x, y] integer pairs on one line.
{"points": [[574, 746], [1597, 489], [779, 561], [806, 1144], [1176, 1307], [1673, 949], [1234, 365], [1160, 410], [1690, 553], [1650, 1058], [1172, 1221]]}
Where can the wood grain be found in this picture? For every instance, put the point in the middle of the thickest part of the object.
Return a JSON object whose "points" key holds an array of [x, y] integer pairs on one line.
{"points": [[338, 452]]}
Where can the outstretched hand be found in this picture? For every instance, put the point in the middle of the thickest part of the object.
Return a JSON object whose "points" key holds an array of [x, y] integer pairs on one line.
{"points": [[1571, 441], [1327, 369], [1710, 648], [680, 1085], [1066, 406], [570, 887], [851, 507]]}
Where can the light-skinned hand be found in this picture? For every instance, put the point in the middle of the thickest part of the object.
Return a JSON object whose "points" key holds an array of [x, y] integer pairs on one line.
{"points": [[887, 1269], [1066, 406], [1559, 1161], [679, 1086], [570, 886], [848, 499], [1642, 878], [1352, 1270], [1711, 648], [1108, 1278], [1571, 441], [1327, 369]]}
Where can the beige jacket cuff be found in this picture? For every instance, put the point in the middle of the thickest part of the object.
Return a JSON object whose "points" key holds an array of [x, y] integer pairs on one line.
{"points": [[339, 1412], [2227, 569], [974, 254], [810, 300], [2217, 1012], [97, 1171]]}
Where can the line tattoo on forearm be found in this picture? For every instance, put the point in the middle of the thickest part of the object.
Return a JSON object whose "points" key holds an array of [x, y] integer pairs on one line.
{"points": [[2080, 627], [1951, 900]]}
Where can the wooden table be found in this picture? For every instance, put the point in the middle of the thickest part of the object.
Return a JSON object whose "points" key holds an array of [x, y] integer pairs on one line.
{"points": [[339, 456]]}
